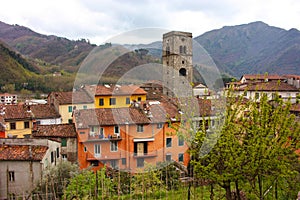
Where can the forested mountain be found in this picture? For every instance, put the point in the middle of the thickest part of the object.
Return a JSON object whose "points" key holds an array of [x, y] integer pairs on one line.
{"points": [[253, 48]]}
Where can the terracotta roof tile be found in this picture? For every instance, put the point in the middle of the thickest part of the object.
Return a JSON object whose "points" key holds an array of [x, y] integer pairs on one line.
{"points": [[254, 77], [17, 112], [55, 130], [109, 116], [119, 90], [272, 86], [22, 152], [72, 97], [44, 111]]}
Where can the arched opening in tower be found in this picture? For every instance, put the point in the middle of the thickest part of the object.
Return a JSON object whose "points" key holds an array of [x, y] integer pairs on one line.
{"points": [[182, 72]]}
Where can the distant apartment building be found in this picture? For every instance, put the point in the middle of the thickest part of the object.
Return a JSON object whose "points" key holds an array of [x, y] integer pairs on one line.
{"points": [[254, 86], [116, 96], [7, 98], [128, 138]]}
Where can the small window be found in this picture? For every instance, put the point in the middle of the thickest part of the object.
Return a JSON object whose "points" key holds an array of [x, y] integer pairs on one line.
{"points": [[64, 157], [101, 102], [11, 176], [64, 142], [168, 157], [140, 128], [169, 142], [57, 152], [123, 161], [12, 126], [180, 141], [117, 130], [113, 146], [159, 126], [84, 149], [70, 108], [112, 101], [180, 157], [140, 162], [139, 98], [97, 149], [127, 100], [85, 107], [180, 49], [70, 121], [26, 124], [95, 163], [52, 156], [182, 62], [114, 164], [168, 50], [81, 132]]}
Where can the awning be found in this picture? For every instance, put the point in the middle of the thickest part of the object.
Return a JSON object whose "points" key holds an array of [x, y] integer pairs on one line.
{"points": [[143, 139]]}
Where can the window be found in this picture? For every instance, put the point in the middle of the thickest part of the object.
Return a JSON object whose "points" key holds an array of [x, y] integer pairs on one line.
{"points": [[140, 162], [159, 126], [139, 98], [101, 102], [127, 100], [11, 176], [113, 146], [64, 157], [112, 101], [84, 149], [85, 107], [26, 124], [97, 149], [81, 132], [180, 141], [123, 161], [114, 164], [57, 152], [184, 49], [117, 130], [168, 50], [169, 142], [70, 108], [182, 72], [64, 142], [182, 62], [52, 156], [180, 157], [180, 49], [101, 132], [12, 126], [168, 157], [95, 163], [140, 128], [70, 121]]}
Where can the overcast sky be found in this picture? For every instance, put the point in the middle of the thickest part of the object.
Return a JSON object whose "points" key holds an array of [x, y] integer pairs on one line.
{"points": [[100, 20]]}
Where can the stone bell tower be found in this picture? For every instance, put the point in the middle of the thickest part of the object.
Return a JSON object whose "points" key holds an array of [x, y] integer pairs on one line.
{"points": [[177, 61]]}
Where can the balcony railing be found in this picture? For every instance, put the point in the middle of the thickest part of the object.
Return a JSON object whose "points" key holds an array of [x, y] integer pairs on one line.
{"points": [[98, 138], [145, 155], [90, 156]]}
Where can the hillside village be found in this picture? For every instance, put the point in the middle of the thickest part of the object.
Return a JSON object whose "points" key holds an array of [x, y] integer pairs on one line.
{"points": [[120, 127]]}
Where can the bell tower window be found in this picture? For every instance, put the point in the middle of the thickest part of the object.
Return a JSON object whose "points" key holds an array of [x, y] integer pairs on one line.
{"points": [[182, 72]]}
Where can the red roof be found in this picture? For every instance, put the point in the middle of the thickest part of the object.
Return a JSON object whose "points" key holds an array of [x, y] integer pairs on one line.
{"points": [[76, 97], [44, 111], [109, 90], [254, 77], [272, 86], [17, 112], [22, 152], [55, 130]]}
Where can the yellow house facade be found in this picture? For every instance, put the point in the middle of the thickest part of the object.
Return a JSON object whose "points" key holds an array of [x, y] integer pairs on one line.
{"points": [[118, 96]]}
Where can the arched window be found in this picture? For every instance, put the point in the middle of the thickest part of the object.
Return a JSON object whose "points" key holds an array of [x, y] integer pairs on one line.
{"points": [[182, 72], [180, 49], [168, 50]]}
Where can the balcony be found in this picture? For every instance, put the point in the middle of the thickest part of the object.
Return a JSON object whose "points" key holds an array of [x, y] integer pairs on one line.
{"points": [[101, 138], [145, 155], [102, 157]]}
